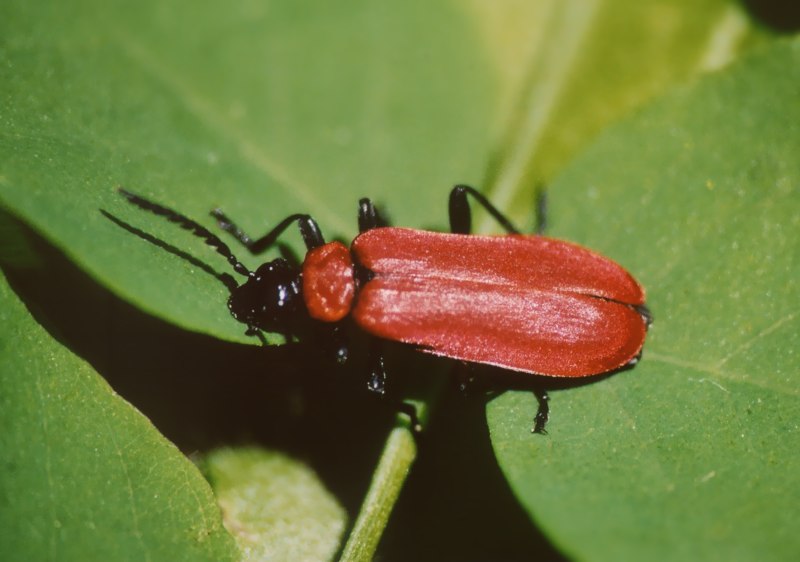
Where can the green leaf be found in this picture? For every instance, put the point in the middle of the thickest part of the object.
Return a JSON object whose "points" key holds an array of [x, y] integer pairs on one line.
{"points": [[267, 111], [692, 454], [264, 110], [84, 476], [275, 506]]}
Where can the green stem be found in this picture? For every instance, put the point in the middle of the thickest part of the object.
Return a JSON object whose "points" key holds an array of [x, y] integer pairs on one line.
{"points": [[387, 481]]}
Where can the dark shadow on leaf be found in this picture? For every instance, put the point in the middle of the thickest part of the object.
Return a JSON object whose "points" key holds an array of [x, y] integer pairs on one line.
{"points": [[457, 505], [201, 393], [780, 15]]}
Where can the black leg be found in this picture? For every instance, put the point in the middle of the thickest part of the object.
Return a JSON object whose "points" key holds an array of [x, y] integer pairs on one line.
{"points": [[368, 216], [337, 343], [461, 216], [465, 377], [309, 230], [377, 369], [377, 383], [254, 331], [542, 413]]}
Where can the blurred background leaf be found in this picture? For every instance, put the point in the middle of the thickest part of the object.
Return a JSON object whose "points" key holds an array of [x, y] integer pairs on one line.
{"points": [[274, 505], [569, 68]]}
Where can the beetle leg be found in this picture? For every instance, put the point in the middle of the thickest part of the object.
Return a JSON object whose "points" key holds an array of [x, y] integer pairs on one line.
{"points": [[309, 230], [254, 331], [377, 383], [337, 343], [542, 413], [377, 373], [461, 216], [368, 216], [465, 377]]}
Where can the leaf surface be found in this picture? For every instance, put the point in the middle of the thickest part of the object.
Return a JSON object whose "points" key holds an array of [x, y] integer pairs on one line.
{"points": [[262, 110], [84, 475], [692, 454]]}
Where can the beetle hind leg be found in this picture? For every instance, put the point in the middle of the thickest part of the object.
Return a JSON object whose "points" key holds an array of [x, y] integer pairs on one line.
{"points": [[461, 215]]}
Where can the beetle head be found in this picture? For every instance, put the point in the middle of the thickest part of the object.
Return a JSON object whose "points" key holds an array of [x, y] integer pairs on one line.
{"points": [[270, 299]]}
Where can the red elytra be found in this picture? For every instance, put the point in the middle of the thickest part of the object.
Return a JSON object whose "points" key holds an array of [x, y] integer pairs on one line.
{"points": [[524, 303]]}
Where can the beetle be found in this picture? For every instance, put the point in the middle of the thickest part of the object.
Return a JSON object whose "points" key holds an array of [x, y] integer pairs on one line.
{"points": [[524, 303]]}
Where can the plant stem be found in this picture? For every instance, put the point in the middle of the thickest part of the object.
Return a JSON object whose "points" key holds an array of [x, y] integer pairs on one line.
{"points": [[387, 481]]}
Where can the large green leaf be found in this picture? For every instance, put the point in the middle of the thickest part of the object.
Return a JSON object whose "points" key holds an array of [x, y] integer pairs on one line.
{"points": [[84, 476], [280, 108], [264, 110], [692, 454]]}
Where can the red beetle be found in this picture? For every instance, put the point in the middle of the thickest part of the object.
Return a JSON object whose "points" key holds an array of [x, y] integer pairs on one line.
{"points": [[525, 303]]}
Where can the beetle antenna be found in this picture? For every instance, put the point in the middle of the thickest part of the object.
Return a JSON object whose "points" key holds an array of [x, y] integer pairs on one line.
{"points": [[187, 224]]}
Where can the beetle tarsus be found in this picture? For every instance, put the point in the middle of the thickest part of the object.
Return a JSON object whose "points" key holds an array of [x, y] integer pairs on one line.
{"points": [[253, 331]]}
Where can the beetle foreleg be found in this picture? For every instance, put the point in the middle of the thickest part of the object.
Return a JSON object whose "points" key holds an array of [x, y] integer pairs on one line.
{"points": [[254, 331], [309, 230]]}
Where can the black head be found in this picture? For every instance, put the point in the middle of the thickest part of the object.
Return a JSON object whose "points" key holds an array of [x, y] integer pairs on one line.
{"points": [[270, 299]]}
